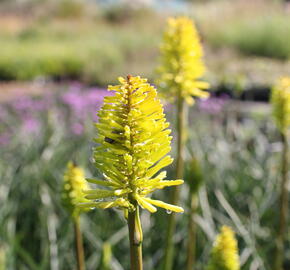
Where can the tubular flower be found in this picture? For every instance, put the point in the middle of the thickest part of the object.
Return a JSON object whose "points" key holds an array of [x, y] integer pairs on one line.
{"points": [[73, 185], [280, 100], [224, 255], [182, 64], [133, 145]]}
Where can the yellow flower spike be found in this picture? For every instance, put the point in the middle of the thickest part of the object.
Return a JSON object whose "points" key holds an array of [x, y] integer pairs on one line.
{"points": [[133, 145], [224, 255], [72, 192], [181, 61], [280, 100]]}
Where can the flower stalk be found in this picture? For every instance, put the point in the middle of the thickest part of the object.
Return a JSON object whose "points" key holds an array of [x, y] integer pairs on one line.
{"points": [[280, 100], [136, 239], [194, 179], [79, 244], [281, 237], [181, 68], [284, 199], [72, 194], [191, 242], [106, 260], [181, 140]]}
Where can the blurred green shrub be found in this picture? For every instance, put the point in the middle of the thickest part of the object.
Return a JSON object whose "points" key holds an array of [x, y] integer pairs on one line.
{"points": [[59, 60], [26, 61], [91, 53], [264, 36], [120, 13], [70, 9]]}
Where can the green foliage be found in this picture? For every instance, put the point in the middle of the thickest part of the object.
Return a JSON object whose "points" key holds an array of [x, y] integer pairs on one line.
{"points": [[2, 258], [89, 52], [263, 36], [56, 59], [106, 261], [239, 164], [120, 13], [70, 9]]}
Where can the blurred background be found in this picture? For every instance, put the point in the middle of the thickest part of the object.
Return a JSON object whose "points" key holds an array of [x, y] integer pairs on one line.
{"points": [[56, 59]]}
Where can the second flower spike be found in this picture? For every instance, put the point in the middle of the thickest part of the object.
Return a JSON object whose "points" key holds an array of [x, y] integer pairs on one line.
{"points": [[134, 141], [182, 65]]}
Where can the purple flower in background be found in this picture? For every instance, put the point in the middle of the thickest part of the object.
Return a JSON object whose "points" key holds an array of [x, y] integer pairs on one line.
{"points": [[23, 103], [96, 98], [26, 103], [168, 107], [4, 138], [74, 99], [30, 124], [74, 86], [3, 113], [84, 102], [77, 129], [212, 105]]}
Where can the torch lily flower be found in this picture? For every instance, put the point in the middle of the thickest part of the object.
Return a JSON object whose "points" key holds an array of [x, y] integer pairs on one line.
{"points": [[72, 192], [181, 61], [280, 100], [134, 141], [224, 255]]}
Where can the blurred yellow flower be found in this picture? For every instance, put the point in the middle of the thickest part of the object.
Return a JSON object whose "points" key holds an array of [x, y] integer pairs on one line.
{"points": [[224, 255], [134, 143], [181, 61], [73, 185], [280, 100]]}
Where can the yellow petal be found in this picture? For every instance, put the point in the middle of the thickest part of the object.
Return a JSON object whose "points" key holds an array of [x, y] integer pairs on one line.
{"points": [[145, 204], [164, 205]]}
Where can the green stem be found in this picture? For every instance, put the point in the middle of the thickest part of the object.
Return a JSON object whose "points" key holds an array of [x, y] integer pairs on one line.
{"points": [[106, 257], [181, 120], [284, 198], [79, 244], [136, 239], [191, 244]]}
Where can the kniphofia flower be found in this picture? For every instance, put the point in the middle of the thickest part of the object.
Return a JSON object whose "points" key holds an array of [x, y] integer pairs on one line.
{"points": [[134, 141], [181, 61], [224, 255], [74, 183], [280, 100]]}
